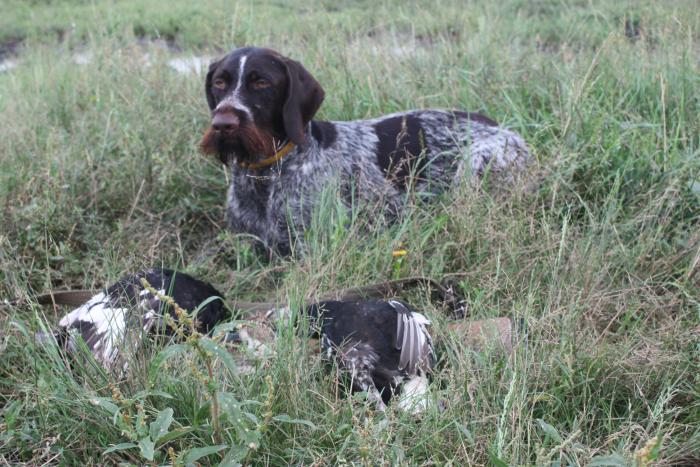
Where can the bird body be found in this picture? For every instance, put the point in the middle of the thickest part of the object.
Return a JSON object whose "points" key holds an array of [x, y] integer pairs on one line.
{"points": [[381, 347], [129, 309]]}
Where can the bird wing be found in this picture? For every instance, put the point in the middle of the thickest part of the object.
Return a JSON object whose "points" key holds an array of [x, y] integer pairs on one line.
{"points": [[103, 321], [101, 324], [412, 339]]}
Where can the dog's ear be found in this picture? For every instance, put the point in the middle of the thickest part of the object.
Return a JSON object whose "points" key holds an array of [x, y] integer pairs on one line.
{"points": [[207, 84], [304, 97]]}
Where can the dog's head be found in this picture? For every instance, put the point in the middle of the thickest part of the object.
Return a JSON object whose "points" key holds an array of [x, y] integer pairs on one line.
{"points": [[257, 98]]}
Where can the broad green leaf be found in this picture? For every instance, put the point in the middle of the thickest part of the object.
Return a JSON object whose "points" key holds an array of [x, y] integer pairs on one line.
{"points": [[251, 417], [613, 460], [160, 425], [188, 457], [160, 358], [549, 430], [11, 414], [656, 450], [149, 393], [229, 403], [119, 447], [231, 409], [147, 447], [250, 438], [239, 419], [251, 402], [467, 434], [234, 456], [106, 403], [497, 461], [172, 435], [694, 187], [140, 423], [295, 421], [220, 352]]}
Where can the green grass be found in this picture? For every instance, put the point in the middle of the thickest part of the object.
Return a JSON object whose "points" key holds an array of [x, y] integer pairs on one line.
{"points": [[100, 175]]}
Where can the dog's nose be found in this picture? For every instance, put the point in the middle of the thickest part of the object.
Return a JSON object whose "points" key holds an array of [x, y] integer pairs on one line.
{"points": [[225, 121]]}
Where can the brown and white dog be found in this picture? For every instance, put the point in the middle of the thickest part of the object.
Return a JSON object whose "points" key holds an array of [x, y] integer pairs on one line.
{"points": [[262, 106]]}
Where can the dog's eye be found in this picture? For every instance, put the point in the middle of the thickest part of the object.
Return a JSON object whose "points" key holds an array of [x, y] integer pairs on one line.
{"points": [[259, 84], [219, 83]]}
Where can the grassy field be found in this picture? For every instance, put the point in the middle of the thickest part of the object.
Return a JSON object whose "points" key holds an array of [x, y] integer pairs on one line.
{"points": [[100, 175]]}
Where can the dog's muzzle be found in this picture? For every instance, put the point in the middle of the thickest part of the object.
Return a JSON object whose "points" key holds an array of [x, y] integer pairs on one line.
{"points": [[225, 121]]}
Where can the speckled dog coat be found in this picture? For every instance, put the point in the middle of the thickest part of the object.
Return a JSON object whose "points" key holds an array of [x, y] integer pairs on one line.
{"points": [[281, 160]]}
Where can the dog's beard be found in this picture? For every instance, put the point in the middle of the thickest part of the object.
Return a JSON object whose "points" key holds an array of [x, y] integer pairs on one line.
{"points": [[247, 143]]}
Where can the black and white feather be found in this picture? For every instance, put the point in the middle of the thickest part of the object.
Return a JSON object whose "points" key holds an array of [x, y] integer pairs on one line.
{"points": [[381, 347], [117, 318]]}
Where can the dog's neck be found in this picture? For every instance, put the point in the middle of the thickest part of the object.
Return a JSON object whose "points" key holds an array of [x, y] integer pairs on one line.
{"points": [[281, 149]]}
